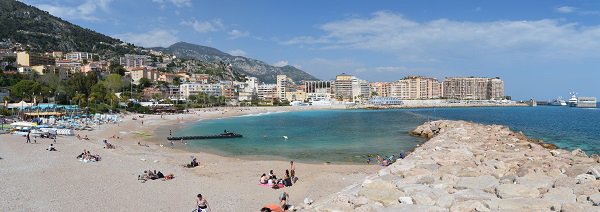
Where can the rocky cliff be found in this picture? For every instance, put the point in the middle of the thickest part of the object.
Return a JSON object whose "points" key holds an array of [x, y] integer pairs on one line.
{"points": [[473, 167]]}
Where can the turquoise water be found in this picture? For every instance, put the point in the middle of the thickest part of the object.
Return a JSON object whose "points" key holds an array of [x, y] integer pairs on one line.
{"points": [[350, 135]]}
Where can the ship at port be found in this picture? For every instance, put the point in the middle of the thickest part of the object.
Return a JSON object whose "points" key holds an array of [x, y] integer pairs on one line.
{"points": [[558, 102], [573, 100]]}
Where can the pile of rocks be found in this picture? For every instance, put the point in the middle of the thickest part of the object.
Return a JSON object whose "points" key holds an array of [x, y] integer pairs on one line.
{"points": [[473, 167]]}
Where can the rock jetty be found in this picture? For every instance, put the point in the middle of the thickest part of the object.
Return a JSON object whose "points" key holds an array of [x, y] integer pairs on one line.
{"points": [[473, 167]]}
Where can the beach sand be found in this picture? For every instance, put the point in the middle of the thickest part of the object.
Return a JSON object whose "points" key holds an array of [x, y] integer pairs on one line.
{"points": [[34, 179]]}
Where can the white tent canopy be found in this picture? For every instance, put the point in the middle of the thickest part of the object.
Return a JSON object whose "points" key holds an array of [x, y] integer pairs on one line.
{"points": [[23, 124]]}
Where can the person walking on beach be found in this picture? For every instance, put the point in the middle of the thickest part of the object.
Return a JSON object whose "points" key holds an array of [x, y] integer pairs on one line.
{"points": [[169, 132], [201, 203], [28, 138]]}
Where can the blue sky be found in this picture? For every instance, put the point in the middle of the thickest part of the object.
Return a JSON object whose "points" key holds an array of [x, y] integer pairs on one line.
{"points": [[542, 49]]}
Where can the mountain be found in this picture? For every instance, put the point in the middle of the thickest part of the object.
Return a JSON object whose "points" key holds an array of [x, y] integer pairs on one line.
{"points": [[251, 67], [42, 32]]}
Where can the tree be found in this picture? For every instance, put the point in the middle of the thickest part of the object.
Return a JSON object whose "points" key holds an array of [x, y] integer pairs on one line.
{"points": [[145, 82], [25, 89], [117, 69], [113, 83], [176, 81]]}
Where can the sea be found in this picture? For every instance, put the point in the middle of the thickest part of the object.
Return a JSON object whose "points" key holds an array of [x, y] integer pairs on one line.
{"points": [[353, 136]]}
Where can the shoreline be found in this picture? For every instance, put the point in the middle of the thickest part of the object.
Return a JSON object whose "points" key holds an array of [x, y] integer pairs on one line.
{"points": [[59, 182]]}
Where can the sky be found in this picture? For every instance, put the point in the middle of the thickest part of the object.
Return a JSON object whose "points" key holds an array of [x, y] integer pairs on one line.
{"points": [[541, 49]]}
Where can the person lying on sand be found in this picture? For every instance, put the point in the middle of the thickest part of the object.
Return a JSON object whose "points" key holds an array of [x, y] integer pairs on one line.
{"points": [[51, 148]]}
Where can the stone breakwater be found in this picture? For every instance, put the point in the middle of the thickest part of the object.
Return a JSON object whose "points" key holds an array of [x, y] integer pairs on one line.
{"points": [[472, 167]]}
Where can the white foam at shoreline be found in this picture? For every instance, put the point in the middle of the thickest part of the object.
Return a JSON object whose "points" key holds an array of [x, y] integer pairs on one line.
{"points": [[260, 114]]}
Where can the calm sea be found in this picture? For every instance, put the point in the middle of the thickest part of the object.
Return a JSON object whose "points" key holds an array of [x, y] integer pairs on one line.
{"points": [[351, 135]]}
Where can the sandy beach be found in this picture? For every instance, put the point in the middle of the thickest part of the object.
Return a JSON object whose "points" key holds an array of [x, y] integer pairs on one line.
{"points": [[35, 179]]}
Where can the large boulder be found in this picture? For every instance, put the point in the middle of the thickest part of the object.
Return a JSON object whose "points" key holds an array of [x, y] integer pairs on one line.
{"points": [[506, 191], [536, 180], [481, 182], [521, 204], [381, 191], [470, 205]]}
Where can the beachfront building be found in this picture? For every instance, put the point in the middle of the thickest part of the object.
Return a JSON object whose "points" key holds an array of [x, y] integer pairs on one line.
{"points": [[380, 88], [361, 92], [416, 87], [284, 84], [189, 89], [343, 87], [267, 92], [248, 89], [473, 88], [297, 95], [132, 60], [318, 90], [228, 90], [34, 59]]}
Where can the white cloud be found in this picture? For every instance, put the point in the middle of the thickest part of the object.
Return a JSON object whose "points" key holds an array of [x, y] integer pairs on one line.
{"points": [[177, 3], [442, 39], [237, 52], [235, 34], [565, 9], [153, 38], [204, 26], [281, 63], [85, 11]]}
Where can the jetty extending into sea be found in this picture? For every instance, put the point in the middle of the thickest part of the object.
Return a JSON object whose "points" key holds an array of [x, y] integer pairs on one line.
{"points": [[473, 167]]}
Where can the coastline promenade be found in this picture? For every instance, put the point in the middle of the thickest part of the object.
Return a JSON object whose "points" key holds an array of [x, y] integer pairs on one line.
{"points": [[474, 167]]}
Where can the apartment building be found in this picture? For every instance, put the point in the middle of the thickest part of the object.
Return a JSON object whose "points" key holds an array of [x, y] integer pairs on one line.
{"points": [[473, 88], [34, 59], [416, 87], [132, 60]]}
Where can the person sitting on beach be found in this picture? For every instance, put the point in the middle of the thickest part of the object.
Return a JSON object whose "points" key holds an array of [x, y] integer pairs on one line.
{"points": [[401, 155], [51, 148], [201, 203], [271, 175], [78, 136], [264, 179], [194, 163], [283, 197], [287, 180]]}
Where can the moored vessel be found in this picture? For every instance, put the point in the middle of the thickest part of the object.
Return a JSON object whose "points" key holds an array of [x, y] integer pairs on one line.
{"points": [[573, 100], [586, 102]]}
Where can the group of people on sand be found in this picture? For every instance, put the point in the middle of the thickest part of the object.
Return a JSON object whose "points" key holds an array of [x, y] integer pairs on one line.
{"points": [[386, 160], [288, 179], [86, 156], [154, 175], [82, 138]]}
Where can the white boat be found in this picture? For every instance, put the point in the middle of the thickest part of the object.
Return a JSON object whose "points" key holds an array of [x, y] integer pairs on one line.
{"points": [[573, 100], [558, 102]]}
